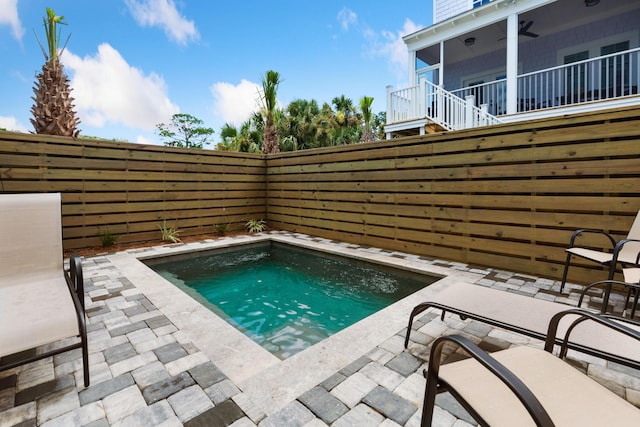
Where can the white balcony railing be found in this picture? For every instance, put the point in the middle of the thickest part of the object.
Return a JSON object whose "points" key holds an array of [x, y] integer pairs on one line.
{"points": [[439, 106], [597, 79], [492, 94]]}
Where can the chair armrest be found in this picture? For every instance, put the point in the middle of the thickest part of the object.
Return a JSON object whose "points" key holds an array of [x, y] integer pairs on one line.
{"points": [[591, 231], [618, 247], [608, 284], [75, 282], [582, 317], [519, 389]]}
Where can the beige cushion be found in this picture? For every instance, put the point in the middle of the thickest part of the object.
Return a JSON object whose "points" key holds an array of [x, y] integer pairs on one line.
{"points": [[569, 397], [601, 257], [35, 303], [631, 275], [35, 311], [31, 230], [534, 315]]}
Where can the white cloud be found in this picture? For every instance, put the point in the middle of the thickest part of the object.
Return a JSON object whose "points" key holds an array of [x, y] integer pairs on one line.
{"points": [[12, 124], [346, 18], [107, 89], [389, 44], [235, 104], [141, 139], [163, 13], [9, 16]]}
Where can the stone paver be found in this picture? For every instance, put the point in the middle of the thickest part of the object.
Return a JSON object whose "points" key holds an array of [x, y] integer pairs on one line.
{"points": [[293, 415], [145, 371], [353, 389], [323, 404], [167, 387], [190, 402]]}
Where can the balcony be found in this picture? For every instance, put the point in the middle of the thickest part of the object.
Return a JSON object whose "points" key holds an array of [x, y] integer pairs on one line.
{"points": [[592, 81]]}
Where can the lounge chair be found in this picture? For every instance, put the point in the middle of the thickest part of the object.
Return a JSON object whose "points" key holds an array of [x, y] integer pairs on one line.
{"points": [[631, 283], [524, 386], [528, 316], [625, 252], [41, 303]]}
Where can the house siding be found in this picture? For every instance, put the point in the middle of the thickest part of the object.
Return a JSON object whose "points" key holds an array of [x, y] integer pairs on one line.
{"points": [[445, 9]]}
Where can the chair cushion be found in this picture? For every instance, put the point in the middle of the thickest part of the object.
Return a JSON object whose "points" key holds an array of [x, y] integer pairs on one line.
{"points": [[532, 316], [597, 256], [31, 230], [35, 310], [631, 275], [569, 397]]}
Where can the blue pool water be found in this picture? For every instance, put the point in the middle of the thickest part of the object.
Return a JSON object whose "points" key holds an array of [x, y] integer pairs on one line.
{"points": [[287, 299]]}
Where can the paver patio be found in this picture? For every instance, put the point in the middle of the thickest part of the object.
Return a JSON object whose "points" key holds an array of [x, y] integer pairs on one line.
{"points": [[149, 367]]}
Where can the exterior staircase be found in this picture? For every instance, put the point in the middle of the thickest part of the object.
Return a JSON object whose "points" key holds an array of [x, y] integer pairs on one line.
{"points": [[433, 109]]}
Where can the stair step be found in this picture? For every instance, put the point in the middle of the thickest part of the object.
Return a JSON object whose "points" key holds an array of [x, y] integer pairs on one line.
{"points": [[433, 128]]}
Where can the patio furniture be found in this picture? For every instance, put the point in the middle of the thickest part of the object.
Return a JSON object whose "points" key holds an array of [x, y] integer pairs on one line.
{"points": [[530, 316], [523, 386], [631, 283], [41, 303], [625, 252]]}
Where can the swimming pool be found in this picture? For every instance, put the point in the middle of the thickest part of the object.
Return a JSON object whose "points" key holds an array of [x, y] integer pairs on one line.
{"points": [[287, 298]]}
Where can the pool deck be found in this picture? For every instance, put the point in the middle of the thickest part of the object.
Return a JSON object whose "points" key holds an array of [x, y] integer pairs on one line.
{"points": [[159, 358]]}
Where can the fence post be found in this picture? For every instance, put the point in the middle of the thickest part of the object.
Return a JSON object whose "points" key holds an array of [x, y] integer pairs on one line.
{"points": [[468, 111]]}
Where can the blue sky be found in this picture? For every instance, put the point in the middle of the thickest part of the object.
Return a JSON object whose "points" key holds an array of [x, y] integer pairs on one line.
{"points": [[134, 63]]}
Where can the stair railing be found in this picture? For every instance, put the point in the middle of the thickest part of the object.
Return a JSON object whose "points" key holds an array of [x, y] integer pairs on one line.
{"points": [[452, 112]]}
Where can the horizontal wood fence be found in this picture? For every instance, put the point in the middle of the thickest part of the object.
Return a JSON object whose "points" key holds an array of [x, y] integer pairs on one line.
{"points": [[506, 196], [130, 190]]}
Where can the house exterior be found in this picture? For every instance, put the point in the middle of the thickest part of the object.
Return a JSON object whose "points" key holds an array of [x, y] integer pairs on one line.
{"points": [[484, 62]]}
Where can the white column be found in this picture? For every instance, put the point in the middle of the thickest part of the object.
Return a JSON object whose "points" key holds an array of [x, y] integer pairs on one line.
{"points": [[389, 104], [512, 64], [441, 70], [413, 79]]}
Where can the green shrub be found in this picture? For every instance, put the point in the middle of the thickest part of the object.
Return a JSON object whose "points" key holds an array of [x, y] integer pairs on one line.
{"points": [[255, 225], [169, 234], [108, 239], [221, 229]]}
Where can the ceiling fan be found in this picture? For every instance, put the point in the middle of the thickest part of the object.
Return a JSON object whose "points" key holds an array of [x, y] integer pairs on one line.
{"points": [[524, 29]]}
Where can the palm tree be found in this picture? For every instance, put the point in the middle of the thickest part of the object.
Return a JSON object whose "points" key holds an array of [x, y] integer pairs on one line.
{"points": [[246, 139], [344, 108], [326, 126], [269, 90], [53, 112], [365, 106], [300, 123]]}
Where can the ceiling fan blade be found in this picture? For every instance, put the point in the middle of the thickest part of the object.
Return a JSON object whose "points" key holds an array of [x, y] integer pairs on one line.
{"points": [[524, 26], [524, 29]]}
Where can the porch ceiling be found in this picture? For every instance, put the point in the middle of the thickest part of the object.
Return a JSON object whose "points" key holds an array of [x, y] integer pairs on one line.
{"points": [[552, 18]]}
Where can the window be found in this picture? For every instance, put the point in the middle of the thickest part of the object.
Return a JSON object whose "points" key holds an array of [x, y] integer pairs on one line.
{"points": [[575, 77], [615, 70], [478, 3]]}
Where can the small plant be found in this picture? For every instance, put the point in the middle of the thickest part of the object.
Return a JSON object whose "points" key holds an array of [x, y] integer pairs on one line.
{"points": [[221, 229], [108, 239], [169, 234], [255, 225]]}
